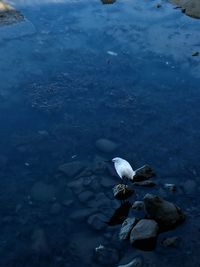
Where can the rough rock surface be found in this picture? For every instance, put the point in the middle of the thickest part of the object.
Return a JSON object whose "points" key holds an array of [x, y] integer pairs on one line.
{"points": [[143, 173], [97, 221], [126, 228], [191, 7], [144, 234], [165, 213], [8, 15], [122, 192]]}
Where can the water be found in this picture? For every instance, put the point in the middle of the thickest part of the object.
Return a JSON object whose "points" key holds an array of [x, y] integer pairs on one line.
{"points": [[61, 91]]}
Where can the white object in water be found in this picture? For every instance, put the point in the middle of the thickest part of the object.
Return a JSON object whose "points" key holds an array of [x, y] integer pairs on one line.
{"points": [[111, 53], [123, 168]]}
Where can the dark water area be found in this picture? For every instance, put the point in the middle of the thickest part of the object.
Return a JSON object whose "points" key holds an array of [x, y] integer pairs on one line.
{"points": [[78, 71]]}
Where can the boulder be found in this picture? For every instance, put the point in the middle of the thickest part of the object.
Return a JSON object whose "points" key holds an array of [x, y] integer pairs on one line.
{"points": [[105, 145], [144, 234], [126, 228], [143, 173], [106, 256], [165, 213], [122, 192], [137, 262]]}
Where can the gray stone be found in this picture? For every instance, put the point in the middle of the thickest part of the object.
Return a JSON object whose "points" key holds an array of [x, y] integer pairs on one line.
{"points": [[97, 221], [144, 234], [71, 169], [143, 173], [165, 213], [137, 262], [42, 192], [126, 228], [105, 145], [106, 256], [138, 205], [122, 192]]}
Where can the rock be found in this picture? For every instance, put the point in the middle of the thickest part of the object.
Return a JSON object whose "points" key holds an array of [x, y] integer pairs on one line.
{"points": [[76, 185], [170, 241], [138, 205], [147, 183], [85, 196], [105, 145], [39, 242], [55, 208], [106, 256], [71, 169], [81, 215], [165, 213], [195, 54], [8, 15], [122, 192], [143, 173], [191, 7], [97, 221], [126, 228], [189, 186], [170, 187], [137, 262], [42, 192], [144, 234], [108, 1]]}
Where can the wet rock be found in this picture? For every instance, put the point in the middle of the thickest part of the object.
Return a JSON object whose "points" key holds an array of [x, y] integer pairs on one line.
{"points": [[105, 145], [122, 192], [39, 242], [144, 234], [189, 186], [137, 262], [170, 241], [165, 213], [85, 196], [106, 256], [76, 185], [170, 187], [42, 192], [195, 54], [97, 221], [8, 15], [143, 173], [191, 7], [126, 228], [108, 1], [120, 214], [55, 208], [147, 183], [71, 169], [138, 205]]}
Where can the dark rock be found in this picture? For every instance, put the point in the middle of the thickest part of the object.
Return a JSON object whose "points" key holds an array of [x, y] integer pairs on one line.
{"points": [[42, 192], [165, 213], [106, 256], [170, 187], [39, 242], [147, 183], [120, 214], [126, 228], [170, 241], [122, 192], [105, 145], [195, 54], [144, 234], [97, 221], [143, 173], [137, 262], [108, 1], [71, 169], [138, 205]]}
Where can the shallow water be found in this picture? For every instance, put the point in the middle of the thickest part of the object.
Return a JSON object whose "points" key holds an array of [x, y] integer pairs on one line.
{"points": [[61, 90]]}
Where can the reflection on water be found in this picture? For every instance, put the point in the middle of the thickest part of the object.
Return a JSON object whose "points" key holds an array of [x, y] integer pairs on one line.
{"points": [[73, 75]]}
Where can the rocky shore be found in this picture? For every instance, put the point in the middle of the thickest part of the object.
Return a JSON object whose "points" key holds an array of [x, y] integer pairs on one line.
{"points": [[9, 15]]}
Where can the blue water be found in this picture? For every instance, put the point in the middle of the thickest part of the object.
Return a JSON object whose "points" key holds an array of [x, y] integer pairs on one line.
{"points": [[61, 90]]}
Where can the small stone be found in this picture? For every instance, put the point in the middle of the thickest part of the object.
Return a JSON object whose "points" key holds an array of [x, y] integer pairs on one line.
{"points": [[170, 241], [71, 169], [147, 183], [143, 173], [97, 221], [122, 192], [126, 228], [85, 196], [170, 187], [105, 145], [106, 256], [138, 205], [137, 262], [144, 234]]}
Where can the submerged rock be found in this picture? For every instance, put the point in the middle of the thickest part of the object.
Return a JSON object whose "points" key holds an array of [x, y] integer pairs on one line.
{"points": [[106, 256], [165, 213], [120, 214], [143, 173], [126, 228], [122, 192], [137, 262], [43, 192], [73, 168], [108, 1], [105, 145], [8, 15], [170, 241], [97, 221], [144, 234]]}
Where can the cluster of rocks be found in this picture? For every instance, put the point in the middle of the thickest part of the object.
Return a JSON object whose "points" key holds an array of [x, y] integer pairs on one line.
{"points": [[8, 15]]}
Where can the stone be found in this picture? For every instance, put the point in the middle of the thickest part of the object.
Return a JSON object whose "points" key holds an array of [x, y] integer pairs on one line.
{"points": [[122, 192], [170, 187], [8, 15], [144, 234], [147, 183], [42, 192], [138, 205], [105, 145], [191, 7], [97, 221], [71, 169], [108, 1], [143, 173], [126, 228], [85, 196], [137, 262], [170, 241], [106, 256], [165, 213], [39, 242], [81, 215]]}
